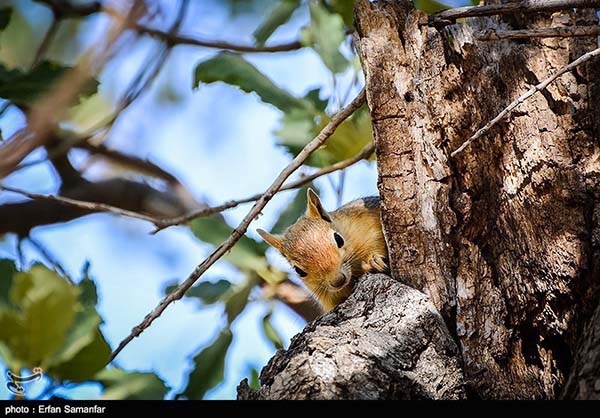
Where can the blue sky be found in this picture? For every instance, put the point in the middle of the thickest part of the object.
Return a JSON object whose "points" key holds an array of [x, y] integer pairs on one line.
{"points": [[219, 142]]}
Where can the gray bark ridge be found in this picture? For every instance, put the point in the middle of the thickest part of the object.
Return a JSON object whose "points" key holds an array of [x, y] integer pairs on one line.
{"points": [[387, 341]]}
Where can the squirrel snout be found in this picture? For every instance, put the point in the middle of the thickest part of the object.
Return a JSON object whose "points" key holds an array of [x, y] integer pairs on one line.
{"points": [[340, 282]]}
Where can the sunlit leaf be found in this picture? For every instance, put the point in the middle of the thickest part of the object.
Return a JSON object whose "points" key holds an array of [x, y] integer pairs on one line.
{"points": [[280, 15], [91, 112], [350, 137], [325, 35], [293, 211], [233, 69], [85, 351], [430, 6], [271, 333], [207, 292], [23, 88], [346, 9], [120, 384], [209, 367], [45, 306], [348, 140]]}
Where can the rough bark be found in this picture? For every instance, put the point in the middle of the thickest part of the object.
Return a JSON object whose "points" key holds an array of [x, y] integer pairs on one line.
{"points": [[584, 381], [387, 341], [504, 238]]}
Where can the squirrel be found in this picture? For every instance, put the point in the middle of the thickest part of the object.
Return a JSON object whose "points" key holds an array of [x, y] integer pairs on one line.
{"points": [[330, 250]]}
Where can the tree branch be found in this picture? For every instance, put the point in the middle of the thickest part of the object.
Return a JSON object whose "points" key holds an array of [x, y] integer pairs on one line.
{"points": [[525, 6], [558, 32], [363, 155], [539, 87], [89, 207], [179, 39], [139, 164], [241, 229], [386, 341], [118, 196]]}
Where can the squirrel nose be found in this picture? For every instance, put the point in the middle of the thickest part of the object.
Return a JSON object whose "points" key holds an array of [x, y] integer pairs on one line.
{"points": [[339, 282]]}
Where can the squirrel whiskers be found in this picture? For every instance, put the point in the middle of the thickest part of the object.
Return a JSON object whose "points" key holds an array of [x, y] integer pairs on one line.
{"points": [[329, 250]]}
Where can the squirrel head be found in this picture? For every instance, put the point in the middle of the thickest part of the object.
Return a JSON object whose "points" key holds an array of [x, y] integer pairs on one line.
{"points": [[316, 250]]}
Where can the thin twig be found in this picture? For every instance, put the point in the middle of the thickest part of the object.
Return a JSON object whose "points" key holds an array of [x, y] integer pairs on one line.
{"points": [[81, 204], [364, 154], [162, 223], [525, 6], [241, 229], [539, 87], [41, 248], [558, 32], [179, 39]]}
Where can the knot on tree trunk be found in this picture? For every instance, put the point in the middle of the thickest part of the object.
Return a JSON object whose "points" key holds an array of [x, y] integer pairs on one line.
{"points": [[387, 341]]}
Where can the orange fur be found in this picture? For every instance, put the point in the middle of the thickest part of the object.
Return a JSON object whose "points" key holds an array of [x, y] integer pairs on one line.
{"points": [[309, 245]]}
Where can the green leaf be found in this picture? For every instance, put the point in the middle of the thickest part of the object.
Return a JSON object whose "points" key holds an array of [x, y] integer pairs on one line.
{"points": [[344, 8], [233, 69], [294, 210], [430, 6], [298, 128], [23, 88], [348, 140], [85, 351], [209, 368], [89, 294], [120, 385], [247, 254], [207, 292], [5, 14], [7, 271], [279, 16], [45, 307], [325, 35], [314, 96], [238, 300], [254, 381], [271, 333]]}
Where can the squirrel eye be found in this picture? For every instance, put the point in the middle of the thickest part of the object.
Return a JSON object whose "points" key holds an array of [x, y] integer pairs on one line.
{"points": [[300, 272], [338, 239]]}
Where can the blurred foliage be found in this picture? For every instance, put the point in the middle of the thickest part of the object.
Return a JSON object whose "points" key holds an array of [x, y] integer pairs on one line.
{"points": [[23, 88], [48, 322], [279, 16]]}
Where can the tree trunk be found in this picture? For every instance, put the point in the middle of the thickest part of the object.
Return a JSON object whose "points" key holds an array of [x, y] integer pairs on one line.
{"points": [[503, 238]]}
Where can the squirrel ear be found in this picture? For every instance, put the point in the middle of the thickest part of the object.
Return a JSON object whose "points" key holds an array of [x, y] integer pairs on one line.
{"points": [[273, 240], [314, 208]]}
